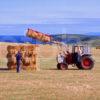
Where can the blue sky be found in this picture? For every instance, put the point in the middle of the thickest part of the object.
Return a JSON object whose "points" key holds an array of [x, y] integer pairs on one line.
{"points": [[46, 11]]}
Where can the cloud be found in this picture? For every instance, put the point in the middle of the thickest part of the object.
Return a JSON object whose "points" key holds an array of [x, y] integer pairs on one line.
{"points": [[37, 11]]}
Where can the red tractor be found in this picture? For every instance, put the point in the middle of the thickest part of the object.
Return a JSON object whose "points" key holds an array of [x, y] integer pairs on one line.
{"points": [[80, 57]]}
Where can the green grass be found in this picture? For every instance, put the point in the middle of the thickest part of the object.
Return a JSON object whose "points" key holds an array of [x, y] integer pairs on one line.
{"points": [[50, 83]]}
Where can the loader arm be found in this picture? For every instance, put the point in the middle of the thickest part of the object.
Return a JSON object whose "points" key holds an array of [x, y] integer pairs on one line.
{"points": [[46, 38]]}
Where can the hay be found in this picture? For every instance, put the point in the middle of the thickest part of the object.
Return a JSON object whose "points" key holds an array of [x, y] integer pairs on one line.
{"points": [[26, 61], [28, 56], [97, 47], [38, 35], [11, 66], [11, 58], [13, 49]]}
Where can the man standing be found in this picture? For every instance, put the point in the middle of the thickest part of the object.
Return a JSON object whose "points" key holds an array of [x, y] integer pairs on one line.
{"points": [[18, 60], [60, 58]]}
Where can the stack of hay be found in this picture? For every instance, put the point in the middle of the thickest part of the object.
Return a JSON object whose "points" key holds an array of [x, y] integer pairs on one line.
{"points": [[38, 35], [29, 56], [97, 47], [11, 56]]}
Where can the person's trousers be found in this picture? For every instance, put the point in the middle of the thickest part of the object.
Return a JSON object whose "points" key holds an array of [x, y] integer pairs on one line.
{"points": [[18, 67]]}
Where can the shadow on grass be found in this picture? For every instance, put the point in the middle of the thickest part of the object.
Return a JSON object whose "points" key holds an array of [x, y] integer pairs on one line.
{"points": [[6, 70], [58, 69], [3, 69]]}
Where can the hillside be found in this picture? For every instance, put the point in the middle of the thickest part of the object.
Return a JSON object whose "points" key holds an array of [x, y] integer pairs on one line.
{"points": [[67, 38], [93, 33], [77, 38]]}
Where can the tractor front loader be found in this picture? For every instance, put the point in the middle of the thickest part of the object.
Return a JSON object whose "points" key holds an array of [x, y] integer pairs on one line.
{"points": [[80, 56]]}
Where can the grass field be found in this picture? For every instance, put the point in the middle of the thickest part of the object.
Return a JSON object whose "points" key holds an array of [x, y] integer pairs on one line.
{"points": [[51, 84]]}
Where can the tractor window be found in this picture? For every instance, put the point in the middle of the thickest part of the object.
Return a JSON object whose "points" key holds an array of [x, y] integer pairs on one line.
{"points": [[86, 50], [78, 49]]}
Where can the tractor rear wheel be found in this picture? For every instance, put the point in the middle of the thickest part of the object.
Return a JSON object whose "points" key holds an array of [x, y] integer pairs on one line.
{"points": [[62, 66], [87, 62]]}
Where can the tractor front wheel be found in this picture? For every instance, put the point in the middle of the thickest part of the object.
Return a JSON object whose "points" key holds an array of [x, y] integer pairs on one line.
{"points": [[62, 66], [58, 66], [79, 65]]}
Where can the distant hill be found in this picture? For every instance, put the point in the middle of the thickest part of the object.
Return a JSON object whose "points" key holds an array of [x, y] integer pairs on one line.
{"points": [[77, 38], [67, 38], [17, 39], [93, 33]]}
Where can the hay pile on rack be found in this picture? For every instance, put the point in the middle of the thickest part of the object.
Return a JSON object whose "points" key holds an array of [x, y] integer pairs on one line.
{"points": [[29, 56], [38, 35]]}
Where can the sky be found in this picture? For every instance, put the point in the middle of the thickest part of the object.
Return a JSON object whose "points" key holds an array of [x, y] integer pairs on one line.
{"points": [[47, 11]]}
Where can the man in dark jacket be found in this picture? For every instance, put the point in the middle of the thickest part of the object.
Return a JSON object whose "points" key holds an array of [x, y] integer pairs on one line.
{"points": [[18, 60]]}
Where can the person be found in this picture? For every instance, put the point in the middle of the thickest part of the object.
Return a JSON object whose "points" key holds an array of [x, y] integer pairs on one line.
{"points": [[60, 58], [18, 60]]}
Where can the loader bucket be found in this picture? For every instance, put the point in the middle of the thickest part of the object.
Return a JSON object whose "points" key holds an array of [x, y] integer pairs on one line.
{"points": [[38, 35]]}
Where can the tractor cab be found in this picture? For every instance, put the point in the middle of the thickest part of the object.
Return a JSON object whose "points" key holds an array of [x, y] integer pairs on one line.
{"points": [[81, 49]]}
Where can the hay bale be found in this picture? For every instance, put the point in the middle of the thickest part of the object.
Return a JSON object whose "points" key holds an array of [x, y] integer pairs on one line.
{"points": [[26, 61], [28, 56], [11, 58], [11, 66], [33, 59], [46, 38], [97, 47], [27, 48], [13, 49], [38, 35], [11, 61]]}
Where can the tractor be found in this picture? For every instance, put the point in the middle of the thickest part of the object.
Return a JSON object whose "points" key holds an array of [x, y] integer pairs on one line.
{"points": [[79, 57]]}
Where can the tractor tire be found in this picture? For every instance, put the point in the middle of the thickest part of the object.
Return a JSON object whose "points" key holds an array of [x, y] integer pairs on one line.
{"points": [[79, 65], [62, 66], [87, 63], [58, 66]]}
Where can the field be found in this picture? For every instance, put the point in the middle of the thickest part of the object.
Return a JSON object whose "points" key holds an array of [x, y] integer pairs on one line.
{"points": [[48, 83]]}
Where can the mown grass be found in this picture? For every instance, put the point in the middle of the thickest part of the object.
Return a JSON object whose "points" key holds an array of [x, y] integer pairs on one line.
{"points": [[50, 84]]}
